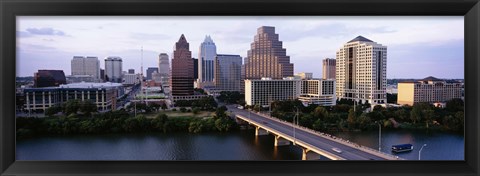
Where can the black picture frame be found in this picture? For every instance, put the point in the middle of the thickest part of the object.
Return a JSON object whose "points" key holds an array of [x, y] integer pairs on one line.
{"points": [[9, 9]]}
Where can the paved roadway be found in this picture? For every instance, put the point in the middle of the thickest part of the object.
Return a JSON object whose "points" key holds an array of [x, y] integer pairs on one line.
{"points": [[348, 152]]}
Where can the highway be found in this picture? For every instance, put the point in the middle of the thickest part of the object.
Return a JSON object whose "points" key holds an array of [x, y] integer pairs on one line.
{"points": [[326, 143]]}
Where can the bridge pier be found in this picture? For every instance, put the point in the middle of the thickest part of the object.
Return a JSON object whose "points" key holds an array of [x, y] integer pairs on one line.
{"points": [[260, 132], [307, 154], [279, 141]]}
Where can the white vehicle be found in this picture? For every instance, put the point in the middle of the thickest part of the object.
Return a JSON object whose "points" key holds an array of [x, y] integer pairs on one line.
{"points": [[337, 150], [240, 107]]}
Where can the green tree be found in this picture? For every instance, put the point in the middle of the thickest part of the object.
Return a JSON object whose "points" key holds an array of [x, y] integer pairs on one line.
{"points": [[72, 106], [319, 125], [87, 107], [364, 121], [455, 105], [164, 106], [257, 108], [351, 119], [428, 115], [196, 110], [53, 110], [320, 113], [183, 109]]}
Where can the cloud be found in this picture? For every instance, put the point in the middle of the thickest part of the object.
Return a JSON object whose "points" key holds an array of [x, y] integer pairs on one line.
{"points": [[149, 36], [44, 31]]}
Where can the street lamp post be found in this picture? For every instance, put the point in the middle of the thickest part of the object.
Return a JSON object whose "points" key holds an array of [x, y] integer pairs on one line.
{"points": [[419, 152], [293, 124], [379, 136]]}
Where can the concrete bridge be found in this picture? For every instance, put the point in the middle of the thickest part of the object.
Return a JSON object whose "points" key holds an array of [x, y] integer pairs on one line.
{"points": [[314, 144]]}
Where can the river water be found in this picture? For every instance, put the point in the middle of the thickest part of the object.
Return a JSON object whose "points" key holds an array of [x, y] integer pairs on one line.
{"points": [[240, 145]]}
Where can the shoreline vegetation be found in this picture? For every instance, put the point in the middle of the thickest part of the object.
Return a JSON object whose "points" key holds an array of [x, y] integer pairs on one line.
{"points": [[344, 117], [204, 115], [71, 120]]}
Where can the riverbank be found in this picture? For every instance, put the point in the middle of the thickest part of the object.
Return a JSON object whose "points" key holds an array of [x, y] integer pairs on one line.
{"points": [[122, 122]]}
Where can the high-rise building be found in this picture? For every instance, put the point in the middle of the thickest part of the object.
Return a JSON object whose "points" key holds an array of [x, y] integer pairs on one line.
{"points": [[206, 57], [182, 69], [429, 89], [150, 70], [227, 70], [328, 68], [86, 66], [195, 68], [267, 58], [361, 71], [49, 78], [131, 71], [163, 64], [113, 69], [102, 74], [164, 68]]}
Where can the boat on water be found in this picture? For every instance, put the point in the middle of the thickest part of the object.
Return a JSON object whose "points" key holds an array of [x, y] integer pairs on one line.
{"points": [[402, 148]]}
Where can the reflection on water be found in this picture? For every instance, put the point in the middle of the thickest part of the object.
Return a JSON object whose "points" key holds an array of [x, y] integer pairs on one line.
{"points": [[242, 145]]}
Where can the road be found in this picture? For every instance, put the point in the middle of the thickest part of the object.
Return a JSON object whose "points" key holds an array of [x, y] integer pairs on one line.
{"points": [[322, 142]]}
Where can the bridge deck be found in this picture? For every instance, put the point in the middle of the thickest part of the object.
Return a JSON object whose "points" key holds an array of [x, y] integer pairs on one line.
{"points": [[315, 141]]}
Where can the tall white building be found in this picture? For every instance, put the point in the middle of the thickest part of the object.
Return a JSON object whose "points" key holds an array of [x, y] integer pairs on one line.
{"points": [[206, 58], [163, 69], [113, 69], [361, 71], [83, 66]]}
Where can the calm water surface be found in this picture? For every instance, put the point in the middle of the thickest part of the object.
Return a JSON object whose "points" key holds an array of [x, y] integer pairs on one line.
{"points": [[241, 145]]}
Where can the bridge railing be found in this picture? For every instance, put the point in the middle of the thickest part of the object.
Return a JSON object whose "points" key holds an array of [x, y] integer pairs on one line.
{"points": [[334, 138]]}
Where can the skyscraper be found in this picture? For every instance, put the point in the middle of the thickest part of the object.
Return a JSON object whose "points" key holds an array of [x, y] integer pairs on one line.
{"points": [[267, 58], [227, 70], [182, 69], [328, 68], [131, 71], [163, 64], [113, 69], [206, 57], [150, 71], [164, 68], [86, 66], [195, 68], [361, 71]]}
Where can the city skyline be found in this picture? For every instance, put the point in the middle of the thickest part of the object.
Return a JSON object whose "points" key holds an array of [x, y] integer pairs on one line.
{"points": [[50, 42]]}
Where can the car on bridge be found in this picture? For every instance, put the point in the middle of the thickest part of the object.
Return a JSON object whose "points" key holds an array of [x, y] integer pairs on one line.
{"points": [[337, 150]]}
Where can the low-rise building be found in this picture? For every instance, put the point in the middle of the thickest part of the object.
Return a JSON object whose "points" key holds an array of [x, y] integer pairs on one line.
{"points": [[318, 91], [104, 95], [131, 79], [430, 89], [309, 91]]}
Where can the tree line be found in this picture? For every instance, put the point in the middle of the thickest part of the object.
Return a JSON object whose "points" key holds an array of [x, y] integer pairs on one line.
{"points": [[344, 117], [121, 122]]}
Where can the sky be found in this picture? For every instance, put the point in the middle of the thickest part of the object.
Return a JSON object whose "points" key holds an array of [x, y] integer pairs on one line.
{"points": [[417, 47]]}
